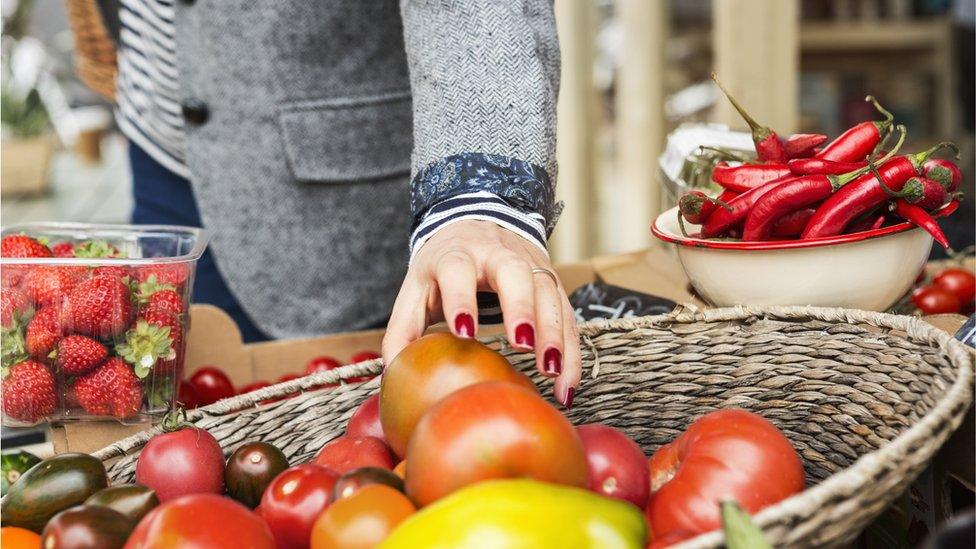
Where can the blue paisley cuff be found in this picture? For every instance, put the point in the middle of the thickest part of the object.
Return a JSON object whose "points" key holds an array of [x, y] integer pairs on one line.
{"points": [[521, 184]]}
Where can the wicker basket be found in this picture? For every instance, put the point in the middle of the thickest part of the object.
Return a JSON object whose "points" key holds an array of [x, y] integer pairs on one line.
{"points": [[866, 398], [94, 57]]}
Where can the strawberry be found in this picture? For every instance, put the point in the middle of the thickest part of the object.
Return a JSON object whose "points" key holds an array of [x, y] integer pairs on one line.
{"points": [[166, 301], [28, 391], [13, 306], [98, 307], [117, 271], [63, 249], [164, 320], [110, 389], [173, 274], [77, 355], [146, 345], [43, 332], [47, 285], [21, 245]]}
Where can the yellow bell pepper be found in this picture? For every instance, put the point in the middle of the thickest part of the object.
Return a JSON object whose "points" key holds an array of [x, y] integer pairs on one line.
{"points": [[522, 514]]}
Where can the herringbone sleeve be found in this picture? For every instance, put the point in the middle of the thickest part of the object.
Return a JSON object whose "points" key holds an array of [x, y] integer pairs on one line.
{"points": [[485, 77]]}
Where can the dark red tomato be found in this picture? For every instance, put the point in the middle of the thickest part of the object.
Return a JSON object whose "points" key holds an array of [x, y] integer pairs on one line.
{"points": [[321, 364], [202, 520], [293, 501], [187, 395], [725, 454], [960, 282], [354, 481], [188, 461], [618, 467], [933, 300], [212, 385], [253, 386], [365, 421], [363, 356], [347, 453]]}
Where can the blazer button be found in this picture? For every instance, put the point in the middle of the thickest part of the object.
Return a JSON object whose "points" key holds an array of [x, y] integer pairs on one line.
{"points": [[195, 112]]}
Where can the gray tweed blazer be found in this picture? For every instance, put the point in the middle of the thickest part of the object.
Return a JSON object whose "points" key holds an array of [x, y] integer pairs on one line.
{"points": [[317, 114]]}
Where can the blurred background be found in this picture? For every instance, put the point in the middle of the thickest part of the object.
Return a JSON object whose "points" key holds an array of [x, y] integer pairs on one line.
{"points": [[633, 72]]}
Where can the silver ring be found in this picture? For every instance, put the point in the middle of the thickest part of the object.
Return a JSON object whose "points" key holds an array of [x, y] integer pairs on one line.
{"points": [[547, 272]]}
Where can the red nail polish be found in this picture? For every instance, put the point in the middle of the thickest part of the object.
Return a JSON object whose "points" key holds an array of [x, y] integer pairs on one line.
{"points": [[552, 362], [464, 325], [570, 393], [525, 336]]}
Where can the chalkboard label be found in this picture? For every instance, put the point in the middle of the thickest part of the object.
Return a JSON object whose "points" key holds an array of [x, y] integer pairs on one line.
{"points": [[967, 334], [599, 300]]}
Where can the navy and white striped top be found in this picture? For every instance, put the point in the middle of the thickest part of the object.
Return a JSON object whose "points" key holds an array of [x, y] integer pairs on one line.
{"points": [[149, 114]]}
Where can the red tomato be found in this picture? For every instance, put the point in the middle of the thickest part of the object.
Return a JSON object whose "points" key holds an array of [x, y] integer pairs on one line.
{"points": [[321, 364], [363, 356], [960, 282], [212, 384], [288, 377], [293, 501], [365, 421], [253, 386], [725, 454], [933, 300], [347, 453], [618, 467], [362, 520], [672, 538], [188, 461], [201, 520], [487, 431], [187, 395], [428, 370]]}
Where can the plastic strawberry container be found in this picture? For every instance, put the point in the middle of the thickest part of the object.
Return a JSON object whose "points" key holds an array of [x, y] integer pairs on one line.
{"points": [[98, 331]]}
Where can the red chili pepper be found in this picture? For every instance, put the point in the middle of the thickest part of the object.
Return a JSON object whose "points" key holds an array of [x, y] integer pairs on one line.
{"points": [[872, 220], [792, 224], [722, 221], [743, 177], [924, 193], [864, 194], [944, 171], [696, 206], [769, 147], [802, 145], [858, 141], [812, 166], [920, 218]]}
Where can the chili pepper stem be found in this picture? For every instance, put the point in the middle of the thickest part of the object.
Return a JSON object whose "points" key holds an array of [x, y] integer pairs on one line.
{"points": [[757, 130], [681, 224], [919, 158], [889, 118]]}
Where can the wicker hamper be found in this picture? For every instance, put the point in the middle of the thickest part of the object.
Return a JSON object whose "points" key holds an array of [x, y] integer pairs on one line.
{"points": [[866, 398]]}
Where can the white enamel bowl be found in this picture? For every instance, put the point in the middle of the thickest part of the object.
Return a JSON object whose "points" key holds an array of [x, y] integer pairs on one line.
{"points": [[868, 270]]}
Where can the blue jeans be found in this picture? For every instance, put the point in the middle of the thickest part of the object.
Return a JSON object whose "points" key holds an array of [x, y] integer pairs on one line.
{"points": [[164, 198]]}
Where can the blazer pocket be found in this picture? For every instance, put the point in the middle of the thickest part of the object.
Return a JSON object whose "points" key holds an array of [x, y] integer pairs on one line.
{"points": [[349, 139]]}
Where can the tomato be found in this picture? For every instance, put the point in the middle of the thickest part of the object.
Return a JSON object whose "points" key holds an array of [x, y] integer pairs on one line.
{"points": [[363, 356], [347, 453], [250, 469], [618, 468], [933, 300], [293, 501], [365, 421], [201, 520], [725, 454], [253, 386], [321, 364], [188, 461], [13, 537], [357, 479], [672, 538], [362, 520], [428, 370], [401, 469], [187, 395], [212, 385], [487, 431], [287, 377], [959, 282]]}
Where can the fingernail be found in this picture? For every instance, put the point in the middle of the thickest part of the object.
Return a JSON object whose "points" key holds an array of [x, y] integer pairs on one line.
{"points": [[464, 325], [568, 402], [525, 336], [552, 362]]}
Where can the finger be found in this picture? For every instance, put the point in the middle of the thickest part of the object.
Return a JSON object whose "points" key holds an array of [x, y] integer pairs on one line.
{"points": [[408, 319], [457, 282], [568, 381], [549, 325], [511, 278]]}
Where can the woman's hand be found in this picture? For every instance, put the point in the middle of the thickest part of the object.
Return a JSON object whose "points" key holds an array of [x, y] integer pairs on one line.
{"points": [[470, 256]]}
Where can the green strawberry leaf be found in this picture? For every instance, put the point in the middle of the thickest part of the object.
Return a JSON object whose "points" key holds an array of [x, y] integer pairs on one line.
{"points": [[143, 291], [97, 249], [13, 349], [144, 345]]}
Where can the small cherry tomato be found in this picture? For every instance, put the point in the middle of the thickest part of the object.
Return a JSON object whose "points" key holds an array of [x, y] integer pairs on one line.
{"points": [[201, 520], [365, 421], [212, 385], [363, 356], [188, 461], [960, 282], [362, 520], [250, 469], [357, 479], [618, 467], [347, 453], [187, 395], [293, 501], [933, 300]]}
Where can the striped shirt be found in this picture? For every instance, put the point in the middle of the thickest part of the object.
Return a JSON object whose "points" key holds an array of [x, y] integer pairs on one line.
{"points": [[148, 112]]}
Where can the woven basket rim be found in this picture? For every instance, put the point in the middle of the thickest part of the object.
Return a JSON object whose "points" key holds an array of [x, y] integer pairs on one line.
{"points": [[950, 408]]}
